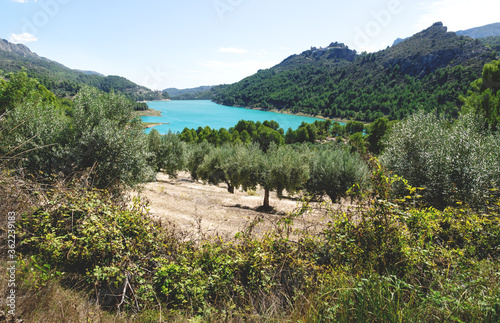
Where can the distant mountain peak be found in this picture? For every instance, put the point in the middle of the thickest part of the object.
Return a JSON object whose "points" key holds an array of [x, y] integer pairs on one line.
{"points": [[482, 32], [435, 31], [63, 81], [433, 48], [476, 33], [18, 49]]}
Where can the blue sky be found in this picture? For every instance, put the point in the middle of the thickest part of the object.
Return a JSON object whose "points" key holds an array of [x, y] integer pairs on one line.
{"points": [[190, 43]]}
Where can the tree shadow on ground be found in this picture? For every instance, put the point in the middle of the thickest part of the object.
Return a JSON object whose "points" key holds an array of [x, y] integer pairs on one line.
{"points": [[260, 209]]}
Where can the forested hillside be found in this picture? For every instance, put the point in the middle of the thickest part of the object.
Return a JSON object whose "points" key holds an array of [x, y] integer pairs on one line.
{"points": [[189, 94], [430, 70], [63, 81], [493, 42], [490, 30]]}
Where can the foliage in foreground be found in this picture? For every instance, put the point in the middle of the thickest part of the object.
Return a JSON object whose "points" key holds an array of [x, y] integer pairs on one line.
{"points": [[456, 162], [98, 132], [382, 261]]}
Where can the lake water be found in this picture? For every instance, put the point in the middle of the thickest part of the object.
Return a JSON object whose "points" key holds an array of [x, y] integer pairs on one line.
{"points": [[194, 114]]}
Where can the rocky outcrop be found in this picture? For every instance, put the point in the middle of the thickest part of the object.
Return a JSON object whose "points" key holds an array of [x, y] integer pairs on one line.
{"points": [[432, 49], [18, 49], [335, 54]]}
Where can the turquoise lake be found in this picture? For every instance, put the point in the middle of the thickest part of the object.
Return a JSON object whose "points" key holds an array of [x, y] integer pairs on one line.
{"points": [[194, 114]]}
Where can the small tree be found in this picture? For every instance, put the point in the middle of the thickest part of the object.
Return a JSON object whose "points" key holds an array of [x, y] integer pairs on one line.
{"points": [[334, 172], [357, 142], [377, 130], [168, 152], [105, 137], [354, 126], [219, 166], [195, 155], [484, 99], [281, 168]]}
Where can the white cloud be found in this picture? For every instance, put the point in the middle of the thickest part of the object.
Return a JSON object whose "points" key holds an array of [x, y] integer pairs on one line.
{"points": [[459, 14], [23, 1], [232, 50], [22, 38]]}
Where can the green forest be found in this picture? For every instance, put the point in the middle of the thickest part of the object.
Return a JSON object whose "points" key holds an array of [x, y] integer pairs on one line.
{"points": [[65, 82], [428, 71], [419, 243]]}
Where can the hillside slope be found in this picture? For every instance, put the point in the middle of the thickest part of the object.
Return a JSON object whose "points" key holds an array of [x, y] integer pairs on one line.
{"points": [[63, 81], [430, 70], [490, 30]]}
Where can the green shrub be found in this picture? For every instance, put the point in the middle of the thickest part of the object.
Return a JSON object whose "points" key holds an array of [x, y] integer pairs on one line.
{"points": [[100, 135], [457, 162], [196, 155], [104, 138], [334, 172], [34, 129], [168, 153]]}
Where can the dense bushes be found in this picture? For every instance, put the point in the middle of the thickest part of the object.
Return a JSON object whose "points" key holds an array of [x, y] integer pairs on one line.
{"points": [[453, 162], [98, 132], [382, 261], [334, 172], [269, 131]]}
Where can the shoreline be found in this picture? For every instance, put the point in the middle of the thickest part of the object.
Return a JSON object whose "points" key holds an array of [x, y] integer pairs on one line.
{"points": [[148, 113], [301, 114], [152, 125], [164, 100]]}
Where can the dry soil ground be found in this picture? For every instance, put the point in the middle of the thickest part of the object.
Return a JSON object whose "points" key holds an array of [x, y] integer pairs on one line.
{"points": [[207, 210]]}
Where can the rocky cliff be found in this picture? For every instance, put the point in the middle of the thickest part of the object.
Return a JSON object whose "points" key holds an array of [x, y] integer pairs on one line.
{"points": [[431, 49]]}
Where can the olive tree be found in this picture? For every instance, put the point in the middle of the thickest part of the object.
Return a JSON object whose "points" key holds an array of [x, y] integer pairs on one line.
{"points": [[105, 137], [281, 168], [334, 172], [453, 162], [168, 152], [220, 166], [35, 136], [195, 155]]}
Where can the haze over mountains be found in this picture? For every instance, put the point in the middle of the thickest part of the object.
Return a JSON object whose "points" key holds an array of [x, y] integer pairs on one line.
{"points": [[174, 92]]}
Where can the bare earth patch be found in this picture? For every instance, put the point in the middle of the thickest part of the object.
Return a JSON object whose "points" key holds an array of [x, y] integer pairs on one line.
{"points": [[207, 210]]}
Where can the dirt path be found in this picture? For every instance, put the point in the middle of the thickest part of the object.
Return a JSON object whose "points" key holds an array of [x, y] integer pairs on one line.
{"points": [[207, 210]]}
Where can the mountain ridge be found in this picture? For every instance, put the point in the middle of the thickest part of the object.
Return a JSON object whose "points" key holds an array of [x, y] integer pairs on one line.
{"points": [[173, 92], [481, 32], [64, 81], [490, 30], [431, 69]]}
